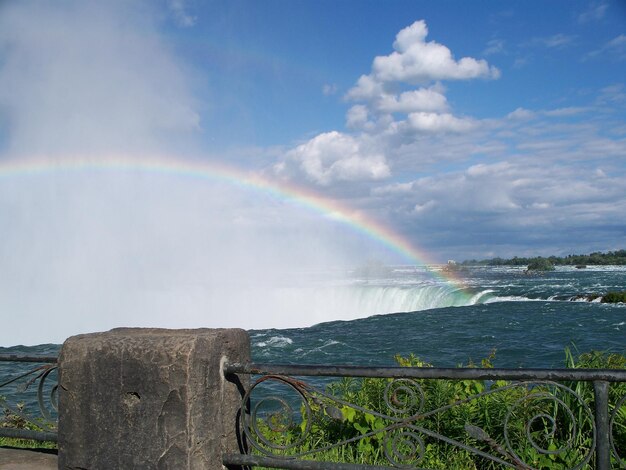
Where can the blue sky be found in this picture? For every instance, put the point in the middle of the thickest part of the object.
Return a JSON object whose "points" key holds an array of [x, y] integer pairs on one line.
{"points": [[475, 129], [265, 65], [524, 146]]}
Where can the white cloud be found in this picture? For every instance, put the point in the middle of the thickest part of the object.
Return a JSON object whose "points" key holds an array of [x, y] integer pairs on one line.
{"points": [[618, 41], [617, 46], [614, 49], [383, 94], [428, 205], [559, 40], [437, 123], [366, 89], [531, 173], [555, 41], [521, 114], [423, 99], [504, 196], [568, 111], [481, 189], [595, 12], [612, 94], [494, 46], [393, 189], [357, 116], [527, 175], [333, 156], [417, 61]]}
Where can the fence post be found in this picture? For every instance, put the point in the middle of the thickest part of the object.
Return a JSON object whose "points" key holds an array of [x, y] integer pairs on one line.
{"points": [[603, 448], [149, 398]]}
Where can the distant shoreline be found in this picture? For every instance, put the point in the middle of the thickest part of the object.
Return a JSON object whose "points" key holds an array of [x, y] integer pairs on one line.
{"points": [[610, 258]]}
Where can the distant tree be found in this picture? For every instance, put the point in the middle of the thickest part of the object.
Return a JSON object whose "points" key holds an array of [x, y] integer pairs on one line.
{"points": [[615, 258], [614, 297], [540, 264]]}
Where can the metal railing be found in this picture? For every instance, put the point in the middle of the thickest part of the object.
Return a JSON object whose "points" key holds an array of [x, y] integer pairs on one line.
{"points": [[37, 421], [574, 418]]}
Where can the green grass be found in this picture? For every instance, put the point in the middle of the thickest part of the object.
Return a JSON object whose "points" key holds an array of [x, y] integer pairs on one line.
{"points": [[12, 420], [26, 443]]}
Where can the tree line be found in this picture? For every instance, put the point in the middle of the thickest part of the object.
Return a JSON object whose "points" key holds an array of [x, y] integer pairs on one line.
{"points": [[615, 258]]}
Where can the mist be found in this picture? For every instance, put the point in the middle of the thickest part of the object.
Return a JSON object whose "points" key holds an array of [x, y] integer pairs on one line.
{"points": [[88, 250]]}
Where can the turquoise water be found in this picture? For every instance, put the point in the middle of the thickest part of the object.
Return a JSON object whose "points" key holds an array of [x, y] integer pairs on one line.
{"points": [[524, 334], [527, 320]]}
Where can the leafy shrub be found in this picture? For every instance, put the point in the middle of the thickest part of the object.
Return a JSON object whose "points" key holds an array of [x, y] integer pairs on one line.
{"points": [[366, 415], [540, 264], [614, 297]]}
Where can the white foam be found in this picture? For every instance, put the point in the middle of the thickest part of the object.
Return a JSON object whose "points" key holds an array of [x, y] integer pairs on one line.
{"points": [[276, 342]]}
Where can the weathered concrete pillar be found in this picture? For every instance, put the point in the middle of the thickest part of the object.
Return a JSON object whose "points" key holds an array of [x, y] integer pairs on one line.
{"points": [[135, 398]]}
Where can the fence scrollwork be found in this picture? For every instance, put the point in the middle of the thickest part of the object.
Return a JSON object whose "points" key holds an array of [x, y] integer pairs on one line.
{"points": [[618, 419], [282, 418], [37, 412]]}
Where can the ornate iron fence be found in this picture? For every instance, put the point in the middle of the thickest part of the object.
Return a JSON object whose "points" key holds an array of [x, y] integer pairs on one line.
{"points": [[565, 418], [542, 418], [35, 415]]}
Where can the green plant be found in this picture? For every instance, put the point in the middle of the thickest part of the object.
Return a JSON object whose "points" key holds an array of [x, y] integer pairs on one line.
{"points": [[431, 420], [13, 420], [540, 264], [614, 297]]}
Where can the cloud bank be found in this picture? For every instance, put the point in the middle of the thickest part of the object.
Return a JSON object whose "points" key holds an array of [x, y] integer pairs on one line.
{"points": [[391, 112], [467, 183]]}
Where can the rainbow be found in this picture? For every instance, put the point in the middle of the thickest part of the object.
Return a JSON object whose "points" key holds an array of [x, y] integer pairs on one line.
{"points": [[211, 170]]}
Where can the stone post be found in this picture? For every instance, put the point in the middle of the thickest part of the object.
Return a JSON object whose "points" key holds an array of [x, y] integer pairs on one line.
{"points": [[135, 398]]}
